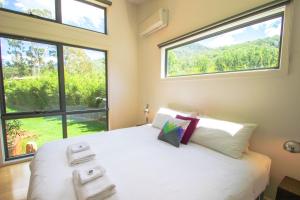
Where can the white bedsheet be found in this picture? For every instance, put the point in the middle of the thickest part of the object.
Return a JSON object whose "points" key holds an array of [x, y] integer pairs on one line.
{"points": [[144, 168]]}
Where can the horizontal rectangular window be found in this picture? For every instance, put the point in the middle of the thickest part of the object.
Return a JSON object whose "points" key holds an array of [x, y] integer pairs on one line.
{"points": [[76, 13], [83, 15], [44, 8], [249, 44]]}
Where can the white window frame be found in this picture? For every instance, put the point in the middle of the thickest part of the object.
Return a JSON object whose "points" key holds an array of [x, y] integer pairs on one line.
{"points": [[284, 51]]}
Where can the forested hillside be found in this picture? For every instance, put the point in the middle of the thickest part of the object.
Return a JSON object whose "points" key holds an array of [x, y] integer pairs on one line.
{"points": [[197, 59]]}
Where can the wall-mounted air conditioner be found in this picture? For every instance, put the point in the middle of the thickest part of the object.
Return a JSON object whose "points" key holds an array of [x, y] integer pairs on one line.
{"points": [[154, 23]]}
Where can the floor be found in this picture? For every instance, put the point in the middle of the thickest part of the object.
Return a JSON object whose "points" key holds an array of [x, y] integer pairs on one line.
{"points": [[14, 181]]}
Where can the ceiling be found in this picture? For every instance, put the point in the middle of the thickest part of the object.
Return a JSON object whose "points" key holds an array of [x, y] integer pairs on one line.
{"points": [[137, 1]]}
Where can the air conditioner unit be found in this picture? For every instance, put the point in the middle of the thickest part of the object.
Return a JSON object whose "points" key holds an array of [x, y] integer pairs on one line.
{"points": [[154, 23]]}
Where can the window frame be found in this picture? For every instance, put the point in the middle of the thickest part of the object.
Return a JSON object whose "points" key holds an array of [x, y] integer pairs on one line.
{"points": [[61, 87], [58, 15], [187, 40]]}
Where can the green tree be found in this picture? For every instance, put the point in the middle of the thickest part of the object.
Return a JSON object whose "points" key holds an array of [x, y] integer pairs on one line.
{"points": [[35, 58], [16, 66], [262, 53]]}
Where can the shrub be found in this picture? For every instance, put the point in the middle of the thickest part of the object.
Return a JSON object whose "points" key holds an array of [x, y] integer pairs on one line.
{"points": [[42, 93]]}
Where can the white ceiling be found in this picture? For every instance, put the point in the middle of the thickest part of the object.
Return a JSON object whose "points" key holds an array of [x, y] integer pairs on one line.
{"points": [[137, 1]]}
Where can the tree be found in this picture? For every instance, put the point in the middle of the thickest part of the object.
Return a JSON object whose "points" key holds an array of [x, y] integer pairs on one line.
{"points": [[40, 12], [36, 58], [261, 53], [16, 66], [77, 61]]}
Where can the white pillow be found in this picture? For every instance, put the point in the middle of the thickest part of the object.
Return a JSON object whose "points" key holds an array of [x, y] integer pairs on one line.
{"points": [[165, 114], [226, 137]]}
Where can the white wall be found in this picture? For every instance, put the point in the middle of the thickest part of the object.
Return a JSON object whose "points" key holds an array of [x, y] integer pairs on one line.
{"points": [[134, 73], [121, 43], [270, 101]]}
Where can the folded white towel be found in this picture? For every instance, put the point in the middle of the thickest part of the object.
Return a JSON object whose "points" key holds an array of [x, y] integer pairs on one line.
{"points": [[80, 157], [90, 174], [82, 146], [98, 189]]}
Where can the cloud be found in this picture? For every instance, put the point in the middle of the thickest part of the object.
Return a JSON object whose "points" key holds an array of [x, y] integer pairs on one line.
{"points": [[73, 12], [272, 31], [20, 6], [220, 41], [270, 28], [224, 39], [94, 55]]}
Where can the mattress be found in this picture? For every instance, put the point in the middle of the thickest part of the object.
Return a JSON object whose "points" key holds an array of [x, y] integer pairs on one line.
{"points": [[143, 167]]}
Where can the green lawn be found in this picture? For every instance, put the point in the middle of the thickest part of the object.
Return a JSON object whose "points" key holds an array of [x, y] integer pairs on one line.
{"points": [[45, 129]]}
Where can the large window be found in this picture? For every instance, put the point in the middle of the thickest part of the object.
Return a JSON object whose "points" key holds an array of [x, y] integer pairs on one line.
{"points": [[77, 13], [249, 44], [50, 91]]}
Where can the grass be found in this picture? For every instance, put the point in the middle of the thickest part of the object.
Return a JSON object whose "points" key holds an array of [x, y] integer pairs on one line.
{"points": [[46, 129]]}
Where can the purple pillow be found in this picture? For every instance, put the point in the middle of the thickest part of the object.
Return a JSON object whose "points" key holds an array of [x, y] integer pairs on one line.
{"points": [[190, 129]]}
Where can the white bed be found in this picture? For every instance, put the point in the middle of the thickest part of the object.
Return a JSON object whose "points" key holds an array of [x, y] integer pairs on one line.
{"points": [[144, 168]]}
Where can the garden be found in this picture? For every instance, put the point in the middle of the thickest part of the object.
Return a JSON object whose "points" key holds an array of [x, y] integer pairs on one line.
{"points": [[30, 73]]}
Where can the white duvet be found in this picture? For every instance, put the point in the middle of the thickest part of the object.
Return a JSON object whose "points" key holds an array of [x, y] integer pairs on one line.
{"points": [[145, 168]]}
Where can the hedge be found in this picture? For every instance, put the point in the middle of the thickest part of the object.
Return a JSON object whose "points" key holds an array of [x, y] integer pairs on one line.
{"points": [[42, 93]]}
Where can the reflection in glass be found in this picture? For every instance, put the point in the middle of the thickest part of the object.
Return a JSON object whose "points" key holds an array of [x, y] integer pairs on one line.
{"points": [[83, 15], [41, 8]]}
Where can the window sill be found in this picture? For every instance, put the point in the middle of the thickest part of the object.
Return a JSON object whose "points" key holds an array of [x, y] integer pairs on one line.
{"points": [[243, 74]]}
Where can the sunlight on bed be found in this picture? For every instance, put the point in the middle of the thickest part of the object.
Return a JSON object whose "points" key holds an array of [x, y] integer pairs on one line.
{"points": [[228, 127]]}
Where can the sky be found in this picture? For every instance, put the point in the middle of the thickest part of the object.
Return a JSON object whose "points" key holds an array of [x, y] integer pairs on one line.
{"points": [[73, 12], [257, 31], [23, 5]]}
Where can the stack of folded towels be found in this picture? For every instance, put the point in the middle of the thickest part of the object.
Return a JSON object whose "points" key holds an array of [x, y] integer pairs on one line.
{"points": [[90, 183], [79, 153]]}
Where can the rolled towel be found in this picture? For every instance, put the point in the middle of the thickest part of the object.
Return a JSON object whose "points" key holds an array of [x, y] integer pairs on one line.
{"points": [[82, 146], [80, 157], [98, 189], [90, 174]]}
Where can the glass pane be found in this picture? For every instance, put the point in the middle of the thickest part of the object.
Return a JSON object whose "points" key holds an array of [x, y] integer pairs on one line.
{"points": [[30, 75], [26, 135], [85, 80], [83, 15], [80, 124], [41, 8], [253, 47]]}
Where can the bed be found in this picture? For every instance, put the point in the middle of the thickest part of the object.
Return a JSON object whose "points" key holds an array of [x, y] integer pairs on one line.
{"points": [[143, 167]]}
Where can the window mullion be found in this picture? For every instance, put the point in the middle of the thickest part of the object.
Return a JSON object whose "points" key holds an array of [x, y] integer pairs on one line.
{"points": [[58, 13], [62, 98]]}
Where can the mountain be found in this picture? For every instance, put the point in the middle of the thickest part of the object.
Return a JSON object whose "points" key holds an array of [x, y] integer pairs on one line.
{"points": [[196, 48], [193, 48]]}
